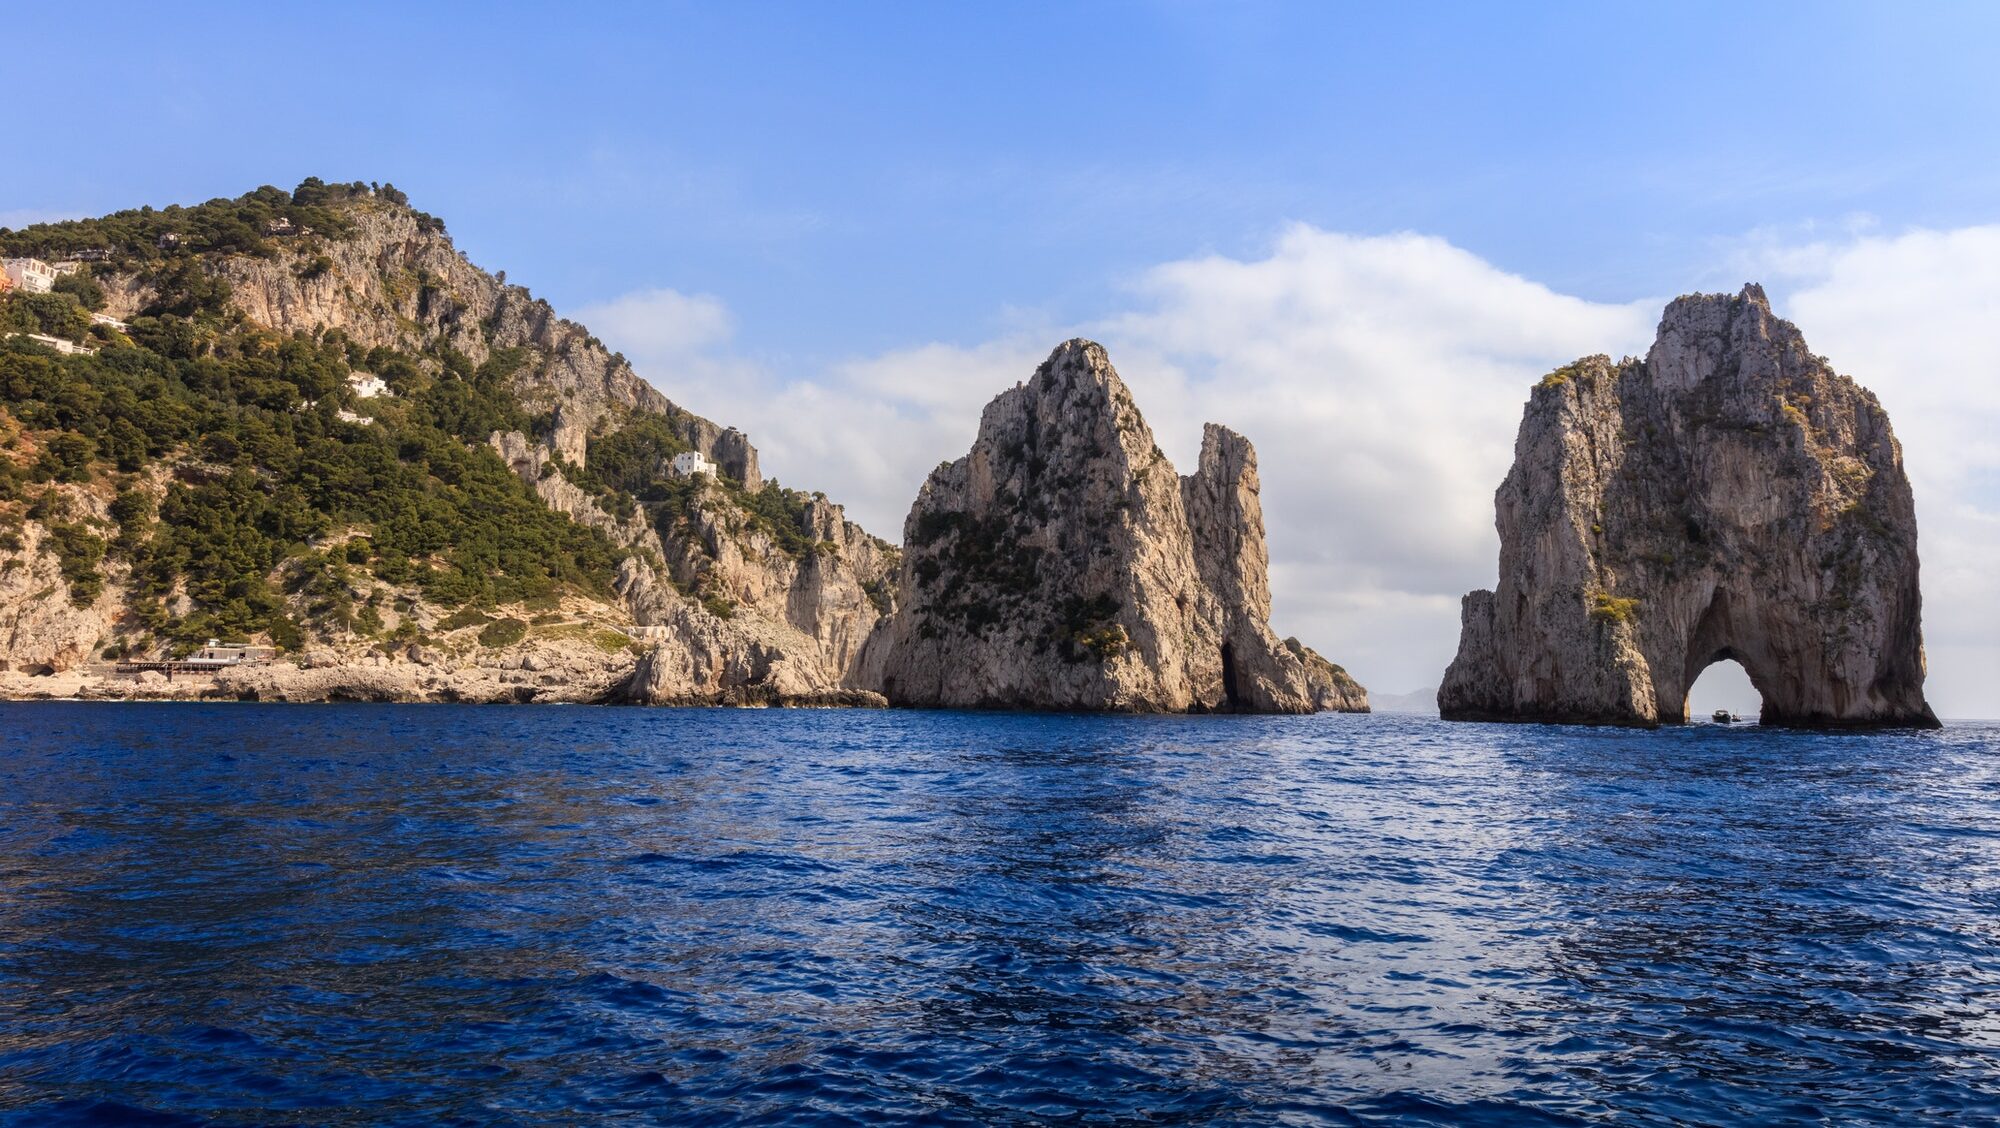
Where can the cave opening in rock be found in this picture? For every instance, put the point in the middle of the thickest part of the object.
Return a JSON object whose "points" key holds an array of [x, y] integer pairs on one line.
{"points": [[1229, 695], [1723, 686]]}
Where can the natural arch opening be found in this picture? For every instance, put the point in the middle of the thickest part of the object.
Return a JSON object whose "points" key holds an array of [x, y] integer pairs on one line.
{"points": [[1725, 687], [1229, 694]]}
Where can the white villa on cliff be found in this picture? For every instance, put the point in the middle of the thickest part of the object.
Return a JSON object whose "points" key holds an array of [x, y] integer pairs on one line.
{"points": [[32, 275], [688, 463], [367, 385]]}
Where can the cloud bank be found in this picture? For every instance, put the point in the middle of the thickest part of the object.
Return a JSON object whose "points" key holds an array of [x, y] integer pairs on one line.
{"points": [[1382, 380]]}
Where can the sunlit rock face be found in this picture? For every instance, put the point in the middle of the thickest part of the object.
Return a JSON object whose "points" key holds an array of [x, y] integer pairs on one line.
{"points": [[1730, 496], [1063, 563]]}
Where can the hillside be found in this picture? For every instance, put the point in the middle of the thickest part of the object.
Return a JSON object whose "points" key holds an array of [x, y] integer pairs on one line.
{"points": [[305, 419]]}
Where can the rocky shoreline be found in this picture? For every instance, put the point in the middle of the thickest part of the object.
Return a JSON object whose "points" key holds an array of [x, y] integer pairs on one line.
{"points": [[582, 674]]}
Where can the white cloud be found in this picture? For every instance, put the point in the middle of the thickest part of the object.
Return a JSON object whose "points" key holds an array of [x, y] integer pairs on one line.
{"points": [[1911, 316], [663, 325], [1382, 380]]}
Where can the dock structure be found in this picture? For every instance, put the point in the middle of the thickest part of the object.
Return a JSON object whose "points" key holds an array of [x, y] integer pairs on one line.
{"points": [[209, 660]]}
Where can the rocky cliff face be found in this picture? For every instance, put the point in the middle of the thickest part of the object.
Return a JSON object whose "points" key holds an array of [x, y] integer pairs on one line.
{"points": [[794, 625], [738, 595], [398, 281], [42, 627], [1063, 564], [1730, 496]]}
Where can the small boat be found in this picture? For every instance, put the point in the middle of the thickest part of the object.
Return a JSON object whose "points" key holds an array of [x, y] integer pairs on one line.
{"points": [[1724, 717]]}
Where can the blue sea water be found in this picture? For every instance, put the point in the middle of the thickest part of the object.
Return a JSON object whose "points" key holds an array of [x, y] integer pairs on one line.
{"points": [[358, 914]]}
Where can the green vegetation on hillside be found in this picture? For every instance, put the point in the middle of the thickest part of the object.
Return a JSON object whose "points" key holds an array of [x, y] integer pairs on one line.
{"points": [[626, 472], [264, 480], [203, 459], [237, 226], [1606, 608]]}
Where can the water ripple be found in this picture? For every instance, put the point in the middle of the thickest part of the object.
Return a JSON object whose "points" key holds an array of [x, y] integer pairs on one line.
{"points": [[362, 914]]}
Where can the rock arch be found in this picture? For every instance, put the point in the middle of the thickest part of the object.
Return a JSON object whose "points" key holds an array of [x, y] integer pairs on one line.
{"points": [[1728, 496], [1690, 712]]}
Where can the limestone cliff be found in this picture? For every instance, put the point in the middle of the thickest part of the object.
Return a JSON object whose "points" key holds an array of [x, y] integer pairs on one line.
{"points": [[43, 626], [738, 590], [1730, 496], [1063, 564], [395, 279]]}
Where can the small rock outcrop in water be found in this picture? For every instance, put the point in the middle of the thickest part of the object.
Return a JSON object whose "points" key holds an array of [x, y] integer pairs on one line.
{"points": [[1063, 564], [1730, 496]]}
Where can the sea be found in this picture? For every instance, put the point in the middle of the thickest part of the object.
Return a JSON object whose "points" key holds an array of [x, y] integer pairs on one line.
{"points": [[371, 914]]}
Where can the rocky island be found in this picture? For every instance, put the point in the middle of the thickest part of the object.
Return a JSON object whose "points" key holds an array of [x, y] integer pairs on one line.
{"points": [[1063, 563], [305, 420], [1728, 497]]}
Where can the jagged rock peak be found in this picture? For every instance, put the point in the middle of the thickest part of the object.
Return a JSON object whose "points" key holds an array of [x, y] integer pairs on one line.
{"points": [[1729, 497], [1062, 563]]}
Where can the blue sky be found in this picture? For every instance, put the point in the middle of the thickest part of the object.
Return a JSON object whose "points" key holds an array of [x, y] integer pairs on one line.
{"points": [[850, 176], [1313, 221]]}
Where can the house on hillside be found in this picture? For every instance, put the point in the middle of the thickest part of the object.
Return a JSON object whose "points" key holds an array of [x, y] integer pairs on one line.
{"points": [[109, 321], [688, 463], [30, 275], [367, 385], [93, 254], [283, 227], [67, 348], [218, 653], [170, 241]]}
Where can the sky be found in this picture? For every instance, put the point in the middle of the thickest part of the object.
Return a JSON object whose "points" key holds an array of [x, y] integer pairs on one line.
{"points": [[1356, 234]]}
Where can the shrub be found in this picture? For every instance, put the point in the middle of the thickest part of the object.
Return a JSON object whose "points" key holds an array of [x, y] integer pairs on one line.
{"points": [[503, 632], [462, 618], [85, 289], [78, 552], [1605, 608], [66, 458], [1089, 627]]}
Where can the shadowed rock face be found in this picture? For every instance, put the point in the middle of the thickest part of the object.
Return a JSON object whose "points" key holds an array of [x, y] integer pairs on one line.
{"points": [[1730, 496], [1062, 563]]}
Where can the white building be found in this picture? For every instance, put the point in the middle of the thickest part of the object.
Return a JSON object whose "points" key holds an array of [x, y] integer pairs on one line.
{"points": [[219, 653], [688, 463], [33, 276], [346, 416], [67, 348], [367, 385], [107, 319]]}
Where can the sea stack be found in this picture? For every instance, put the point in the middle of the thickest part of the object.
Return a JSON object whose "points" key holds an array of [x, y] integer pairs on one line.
{"points": [[1730, 496], [1064, 564]]}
